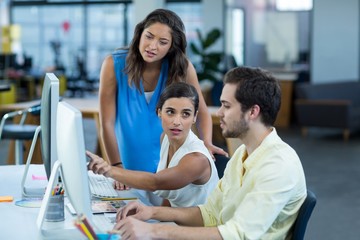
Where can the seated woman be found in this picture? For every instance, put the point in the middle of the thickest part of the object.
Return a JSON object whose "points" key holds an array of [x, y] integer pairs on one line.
{"points": [[186, 173]]}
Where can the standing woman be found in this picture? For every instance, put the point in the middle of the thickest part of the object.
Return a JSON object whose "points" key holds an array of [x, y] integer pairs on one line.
{"points": [[131, 81]]}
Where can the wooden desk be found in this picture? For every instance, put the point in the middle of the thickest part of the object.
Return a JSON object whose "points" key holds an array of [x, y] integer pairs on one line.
{"points": [[89, 107]]}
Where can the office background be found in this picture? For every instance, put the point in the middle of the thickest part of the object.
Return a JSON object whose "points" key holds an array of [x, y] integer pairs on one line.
{"points": [[256, 33], [322, 42]]}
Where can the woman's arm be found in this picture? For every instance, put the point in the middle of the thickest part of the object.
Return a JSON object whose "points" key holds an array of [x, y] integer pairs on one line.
{"points": [[192, 168], [204, 125], [107, 96]]}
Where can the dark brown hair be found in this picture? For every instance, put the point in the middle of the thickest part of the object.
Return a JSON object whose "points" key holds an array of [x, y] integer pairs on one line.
{"points": [[176, 56], [179, 90], [255, 86]]}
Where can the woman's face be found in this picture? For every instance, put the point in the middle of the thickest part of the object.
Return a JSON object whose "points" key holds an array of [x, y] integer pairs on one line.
{"points": [[155, 42], [177, 116]]}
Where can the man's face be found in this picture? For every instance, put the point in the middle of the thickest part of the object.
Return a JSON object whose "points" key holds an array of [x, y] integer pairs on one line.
{"points": [[232, 120]]}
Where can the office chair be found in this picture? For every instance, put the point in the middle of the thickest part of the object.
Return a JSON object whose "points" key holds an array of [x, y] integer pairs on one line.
{"points": [[19, 132], [220, 163], [304, 216]]}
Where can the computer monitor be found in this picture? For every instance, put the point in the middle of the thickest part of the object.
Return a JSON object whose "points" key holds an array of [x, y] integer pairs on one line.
{"points": [[71, 154], [47, 131], [49, 103], [71, 164]]}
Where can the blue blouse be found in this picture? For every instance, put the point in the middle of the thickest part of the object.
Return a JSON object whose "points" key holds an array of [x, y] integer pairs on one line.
{"points": [[137, 126]]}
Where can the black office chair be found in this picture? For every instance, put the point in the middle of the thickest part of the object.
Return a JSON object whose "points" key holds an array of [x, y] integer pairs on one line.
{"points": [[304, 216], [18, 132], [220, 163]]}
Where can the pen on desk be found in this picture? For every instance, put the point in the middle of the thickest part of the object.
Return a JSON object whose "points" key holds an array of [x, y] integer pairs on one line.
{"points": [[87, 224], [81, 226], [84, 226]]}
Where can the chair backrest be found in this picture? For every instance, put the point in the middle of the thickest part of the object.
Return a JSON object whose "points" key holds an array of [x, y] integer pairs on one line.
{"points": [[220, 163], [304, 216]]}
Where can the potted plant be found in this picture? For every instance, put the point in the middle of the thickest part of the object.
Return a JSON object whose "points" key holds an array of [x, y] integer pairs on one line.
{"points": [[208, 66]]}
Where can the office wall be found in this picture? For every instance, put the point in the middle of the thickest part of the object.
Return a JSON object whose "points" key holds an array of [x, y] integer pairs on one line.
{"points": [[213, 15], [212, 12], [335, 41], [143, 8], [265, 27]]}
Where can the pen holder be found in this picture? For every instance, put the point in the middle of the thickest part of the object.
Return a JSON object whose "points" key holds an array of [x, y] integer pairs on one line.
{"points": [[55, 211]]}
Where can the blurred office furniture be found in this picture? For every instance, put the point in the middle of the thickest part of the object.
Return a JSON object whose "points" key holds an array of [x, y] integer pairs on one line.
{"points": [[232, 144], [328, 105], [7, 61], [304, 216], [18, 131], [4, 87], [89, 108], [286, 80], [7, 92], [220, 163]]}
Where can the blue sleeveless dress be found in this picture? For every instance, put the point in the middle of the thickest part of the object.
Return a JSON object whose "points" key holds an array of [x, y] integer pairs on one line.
{"points": [[137, 126]]}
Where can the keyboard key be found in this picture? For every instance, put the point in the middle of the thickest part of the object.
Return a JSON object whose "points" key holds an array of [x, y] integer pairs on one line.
{"points": [[101, 186]]}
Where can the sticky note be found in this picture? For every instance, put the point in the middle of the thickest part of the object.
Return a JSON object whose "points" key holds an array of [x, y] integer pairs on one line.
{"points": [[6, 198], [35, 177]]}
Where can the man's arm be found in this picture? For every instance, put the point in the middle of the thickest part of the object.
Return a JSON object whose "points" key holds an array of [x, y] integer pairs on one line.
{"points": [[131, 228], [190, 216]]}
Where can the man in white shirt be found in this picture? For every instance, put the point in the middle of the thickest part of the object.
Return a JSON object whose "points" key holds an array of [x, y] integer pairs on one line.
{"points": [[263, 186]]}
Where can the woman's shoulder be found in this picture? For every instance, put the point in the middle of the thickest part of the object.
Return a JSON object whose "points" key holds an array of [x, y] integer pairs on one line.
{"points": [[120, 52], [195, 145]]}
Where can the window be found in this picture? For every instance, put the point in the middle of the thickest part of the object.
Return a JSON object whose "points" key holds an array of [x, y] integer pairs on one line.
{"points": [[191, 15], [235, 37], [294, 5], [83, 34], [44, 27]]}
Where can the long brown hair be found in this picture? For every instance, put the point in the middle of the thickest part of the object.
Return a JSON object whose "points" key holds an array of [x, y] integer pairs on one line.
{"points": [[176, 56]]}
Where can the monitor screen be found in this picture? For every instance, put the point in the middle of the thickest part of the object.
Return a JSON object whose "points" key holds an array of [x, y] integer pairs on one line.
{"points": [[49, 103], [71, 155]]}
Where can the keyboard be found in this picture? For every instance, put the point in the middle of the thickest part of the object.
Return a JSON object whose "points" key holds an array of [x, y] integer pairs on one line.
{"points": [[101, 186], [103, 223]]}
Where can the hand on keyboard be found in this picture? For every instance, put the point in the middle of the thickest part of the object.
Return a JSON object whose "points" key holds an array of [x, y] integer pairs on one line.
{"points": [[101, 187], [120, 186]]}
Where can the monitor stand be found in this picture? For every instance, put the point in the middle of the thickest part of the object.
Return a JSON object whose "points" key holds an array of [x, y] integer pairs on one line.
{"points": [[64, 229], [31, 192]]}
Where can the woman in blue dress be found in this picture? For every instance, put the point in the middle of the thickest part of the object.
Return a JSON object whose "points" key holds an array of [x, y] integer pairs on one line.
{"points": [[131, 81]]}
